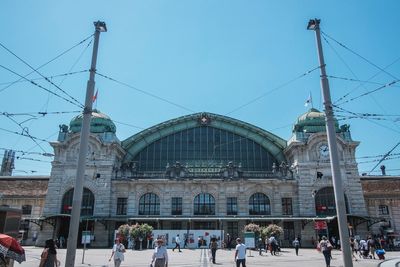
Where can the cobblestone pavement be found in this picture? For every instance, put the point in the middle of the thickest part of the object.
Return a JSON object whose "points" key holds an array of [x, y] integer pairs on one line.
{"points": [[201, 258]]}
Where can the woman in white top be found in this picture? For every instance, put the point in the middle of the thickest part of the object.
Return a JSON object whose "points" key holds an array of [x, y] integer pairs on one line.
{"points": [[118, 253], [160, 255]]}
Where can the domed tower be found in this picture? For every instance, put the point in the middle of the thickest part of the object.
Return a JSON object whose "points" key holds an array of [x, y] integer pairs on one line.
{"points": [[308, 151], [104, 155]]}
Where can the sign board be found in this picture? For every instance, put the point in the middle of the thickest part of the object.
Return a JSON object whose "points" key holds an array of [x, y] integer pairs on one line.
{"points": [[249, 239], [194, 238], [85, 237], [320, 225]]}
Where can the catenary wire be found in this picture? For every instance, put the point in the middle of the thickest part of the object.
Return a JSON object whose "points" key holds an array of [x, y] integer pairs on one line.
{"points": [[38, 85], [35, 70], [355, 114], [48, 62], [144, 92], [49, 77], [22, 134], [357, 54], [370, 78], [272, 90]]}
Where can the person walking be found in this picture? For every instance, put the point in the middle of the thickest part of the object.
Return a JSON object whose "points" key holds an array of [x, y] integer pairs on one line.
{"points": [[213, 247], [240, 253], [296, 245], [160, 255], [273, 244], [371, 246], [118, 253], [260, 246], [326, 248], [177, 243], [49, 255]]}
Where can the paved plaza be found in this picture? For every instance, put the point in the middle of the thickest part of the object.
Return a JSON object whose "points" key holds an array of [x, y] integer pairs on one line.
{"points": [[200, 258]]}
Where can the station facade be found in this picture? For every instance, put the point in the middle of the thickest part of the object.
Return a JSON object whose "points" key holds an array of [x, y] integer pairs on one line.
{"points": [[203, 172]]}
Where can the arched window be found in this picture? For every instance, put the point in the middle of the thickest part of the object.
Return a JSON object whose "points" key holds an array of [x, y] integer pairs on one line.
{"points": [[149, 204], [204, 144], [204, 204], [87, 207], [325, 202], [259, 204]]}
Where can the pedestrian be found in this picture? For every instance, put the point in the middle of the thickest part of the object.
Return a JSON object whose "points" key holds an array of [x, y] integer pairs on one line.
{"points": [[326, 248], [62, 241], [118, 253], [177, 243], [240, 253], [354, 247], [228, 241], [185, 245], [49, 255], [160, 255], [260, 246], [371, 246], [273, 244], [296, 245], [213, 247]]}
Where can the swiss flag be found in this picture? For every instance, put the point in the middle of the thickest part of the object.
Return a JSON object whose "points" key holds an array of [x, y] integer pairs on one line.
{"points": [[95, 96]]}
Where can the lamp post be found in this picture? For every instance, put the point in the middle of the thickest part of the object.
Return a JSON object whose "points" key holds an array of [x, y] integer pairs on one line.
{"points": [[313, 24], [83, 148]]}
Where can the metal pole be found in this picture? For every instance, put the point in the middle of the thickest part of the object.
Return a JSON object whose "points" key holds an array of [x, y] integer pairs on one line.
{"points": [[333, 151], [83, 148], [84, 242]]}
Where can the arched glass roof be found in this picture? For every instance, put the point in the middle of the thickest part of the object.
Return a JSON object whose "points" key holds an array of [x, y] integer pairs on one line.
{"points": [[204, 139]]}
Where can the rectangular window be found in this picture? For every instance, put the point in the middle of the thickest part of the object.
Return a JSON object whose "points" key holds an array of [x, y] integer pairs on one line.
{"points": [[231, 206], [122, 205], [383, 210], [176, 208], [287, 206], [26, 209]]}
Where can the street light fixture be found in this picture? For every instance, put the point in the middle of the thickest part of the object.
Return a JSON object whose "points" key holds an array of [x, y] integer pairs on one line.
{"points": [[100, 26]]}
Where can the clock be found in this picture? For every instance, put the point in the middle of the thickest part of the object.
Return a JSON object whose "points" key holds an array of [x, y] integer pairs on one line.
{"points": [[323, 151]]}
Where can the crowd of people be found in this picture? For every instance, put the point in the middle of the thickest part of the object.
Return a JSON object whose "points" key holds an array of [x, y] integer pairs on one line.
{"points": [[369, 248]]}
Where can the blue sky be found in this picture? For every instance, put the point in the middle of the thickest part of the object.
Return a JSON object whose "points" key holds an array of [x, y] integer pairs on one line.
{"points": [[213, 56]]}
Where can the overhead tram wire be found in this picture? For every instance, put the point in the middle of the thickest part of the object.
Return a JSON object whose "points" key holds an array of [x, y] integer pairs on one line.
{"points": [[41, 113], [361, 84], [38, 85], [35, 70], [274, 89], [357, 54], [48, 62], [385, 156], [352, 80], [45, 106], [22, 134], [28, 153], [361, 117], [49, 77], [369, 92], [26, 130], [370, 78], [144, 92]]}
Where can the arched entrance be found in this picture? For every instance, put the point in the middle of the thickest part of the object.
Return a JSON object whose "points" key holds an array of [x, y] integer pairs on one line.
{"points": [[325, 206], [86, 222]]}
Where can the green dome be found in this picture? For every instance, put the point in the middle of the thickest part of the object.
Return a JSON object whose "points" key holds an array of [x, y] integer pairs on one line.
{"points": [[100, 123], [312, 121]]}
